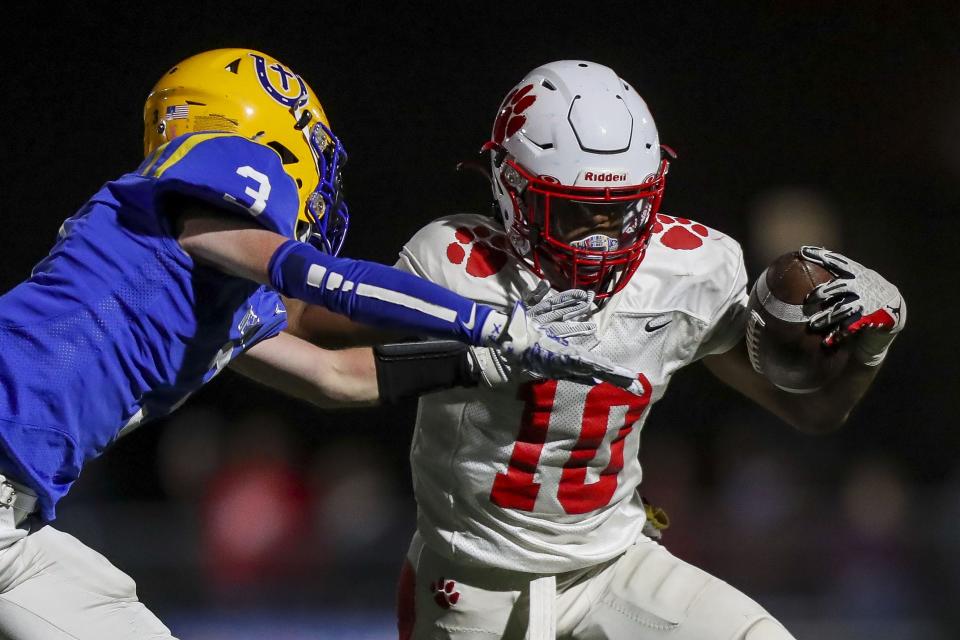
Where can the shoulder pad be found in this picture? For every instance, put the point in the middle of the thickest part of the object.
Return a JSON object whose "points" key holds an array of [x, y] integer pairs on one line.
{"points": [[469, 254], [688, 241], [230, 172], [688, 267]]}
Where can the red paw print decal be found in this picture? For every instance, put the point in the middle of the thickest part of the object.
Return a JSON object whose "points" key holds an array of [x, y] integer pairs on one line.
{"points": [[679, 233], [511, 117], [485, 252], [444, 594]]}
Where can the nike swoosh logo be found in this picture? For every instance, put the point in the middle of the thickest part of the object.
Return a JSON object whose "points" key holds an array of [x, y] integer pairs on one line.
{"points": [[468, 325], [652, 327]]}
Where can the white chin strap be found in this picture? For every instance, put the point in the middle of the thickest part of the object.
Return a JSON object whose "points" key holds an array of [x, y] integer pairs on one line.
{"points": [[542, 624]]}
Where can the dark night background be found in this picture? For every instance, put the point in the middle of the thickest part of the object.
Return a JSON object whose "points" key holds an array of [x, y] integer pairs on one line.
{"points": [[852, 535]]}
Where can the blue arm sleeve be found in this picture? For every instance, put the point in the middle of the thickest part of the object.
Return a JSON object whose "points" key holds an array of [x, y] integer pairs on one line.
{"points": [[375, 294]]}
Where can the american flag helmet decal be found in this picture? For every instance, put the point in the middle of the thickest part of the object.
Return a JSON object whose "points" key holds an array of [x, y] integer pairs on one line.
{"points": [[176, 112]]}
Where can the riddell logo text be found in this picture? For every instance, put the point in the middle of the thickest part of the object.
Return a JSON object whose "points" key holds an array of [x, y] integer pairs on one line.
{"points": [[609, 176]]}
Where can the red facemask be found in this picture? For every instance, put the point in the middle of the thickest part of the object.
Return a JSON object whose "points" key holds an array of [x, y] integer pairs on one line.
{"points": [[591, 238]]}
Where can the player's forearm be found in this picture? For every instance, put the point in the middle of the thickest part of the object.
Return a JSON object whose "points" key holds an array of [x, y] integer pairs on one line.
{"points": [[375, 294], [328, 379], [822, 411], [330, 330], [828, 408], [351, 380]]}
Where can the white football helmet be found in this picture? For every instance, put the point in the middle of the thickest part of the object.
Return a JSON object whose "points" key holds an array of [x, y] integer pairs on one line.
{"points": [[578, 174]]}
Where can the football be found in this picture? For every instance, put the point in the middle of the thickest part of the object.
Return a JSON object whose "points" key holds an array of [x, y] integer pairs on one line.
{"points": [[781, 345]]}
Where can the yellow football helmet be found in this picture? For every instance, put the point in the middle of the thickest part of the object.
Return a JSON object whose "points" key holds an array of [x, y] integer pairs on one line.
{"points": [[252, 94]]}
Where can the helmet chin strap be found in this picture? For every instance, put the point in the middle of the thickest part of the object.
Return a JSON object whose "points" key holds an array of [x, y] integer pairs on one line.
{"points": [[499, 153]]}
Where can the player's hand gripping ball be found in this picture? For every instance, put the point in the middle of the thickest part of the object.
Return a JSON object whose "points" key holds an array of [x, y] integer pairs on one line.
{"points": [[782, 344], [811, 310], [859, 306]]}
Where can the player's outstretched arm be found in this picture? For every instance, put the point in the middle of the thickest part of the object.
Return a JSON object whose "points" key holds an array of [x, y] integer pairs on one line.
{"points": [[328, 379], [365, 292], [408, 369], [379, 295]]}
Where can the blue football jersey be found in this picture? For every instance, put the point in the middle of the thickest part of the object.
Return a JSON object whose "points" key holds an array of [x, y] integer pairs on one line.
{"points": [[118, 325]]}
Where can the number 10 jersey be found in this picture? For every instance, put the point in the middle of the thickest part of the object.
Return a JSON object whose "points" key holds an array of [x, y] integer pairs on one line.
{"points": [[542, 476]]}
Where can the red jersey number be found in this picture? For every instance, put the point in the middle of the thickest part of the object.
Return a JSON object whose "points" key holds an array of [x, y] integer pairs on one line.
{"points": [[516, 488]]}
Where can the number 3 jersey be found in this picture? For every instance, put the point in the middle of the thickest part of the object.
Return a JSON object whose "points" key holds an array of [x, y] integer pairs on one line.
{"points": [[117, 325], [542, 476]]}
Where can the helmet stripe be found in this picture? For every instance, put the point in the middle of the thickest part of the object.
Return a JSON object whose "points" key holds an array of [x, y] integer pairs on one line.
{"points": [[185, 148], [152, 160]]}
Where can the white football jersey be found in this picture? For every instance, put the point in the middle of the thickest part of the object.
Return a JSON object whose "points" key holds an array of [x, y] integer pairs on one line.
{"points": [[542, 476]]}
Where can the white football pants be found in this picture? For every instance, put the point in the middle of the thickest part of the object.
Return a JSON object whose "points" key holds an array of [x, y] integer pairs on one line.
{"points": [[644, 594], [54, 587]]}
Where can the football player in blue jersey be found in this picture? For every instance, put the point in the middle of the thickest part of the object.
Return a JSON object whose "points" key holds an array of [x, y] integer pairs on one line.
{"points": [[161, 279]]}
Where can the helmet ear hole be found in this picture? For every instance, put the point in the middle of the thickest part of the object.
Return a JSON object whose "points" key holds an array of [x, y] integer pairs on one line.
{"points": [[286, 156], [303, 120]]}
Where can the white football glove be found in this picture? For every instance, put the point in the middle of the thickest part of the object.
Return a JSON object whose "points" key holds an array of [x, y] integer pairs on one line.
{"points": [[562, 315], [528, 343], [860, 302], [492, 369], [565, 314]]}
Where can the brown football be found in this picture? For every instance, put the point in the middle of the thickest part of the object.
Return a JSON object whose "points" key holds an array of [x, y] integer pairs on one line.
{"points": [[782, 347]]}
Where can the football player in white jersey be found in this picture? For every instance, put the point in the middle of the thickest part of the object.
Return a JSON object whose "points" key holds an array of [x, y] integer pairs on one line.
{"points": [[530, 524]]}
